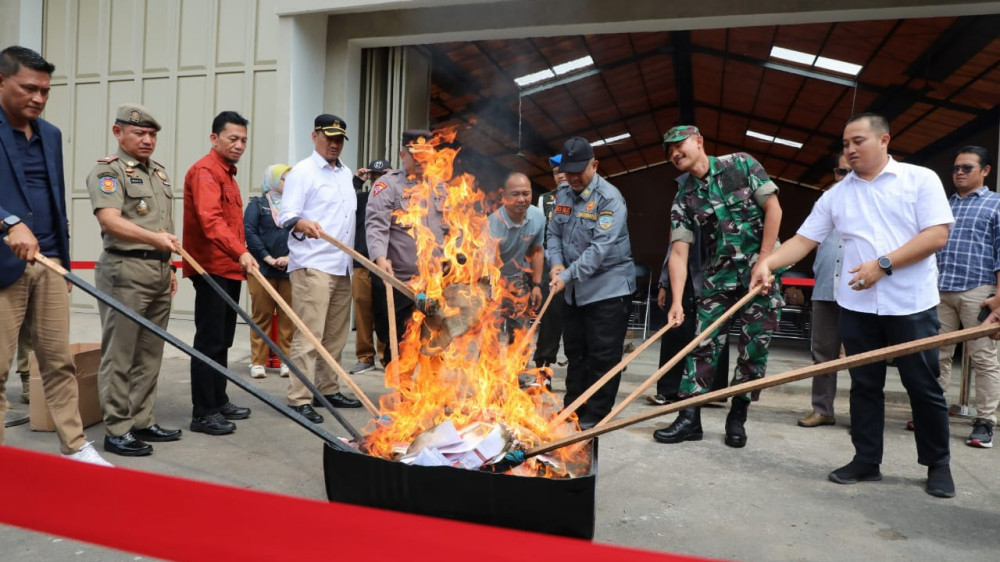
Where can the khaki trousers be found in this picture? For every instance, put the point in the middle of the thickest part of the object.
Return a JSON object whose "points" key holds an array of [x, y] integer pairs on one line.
{"points": [[364, 320], [42, 294], [960, 309], [24, 347], [323, 302], [131, 356], [263, 312]]}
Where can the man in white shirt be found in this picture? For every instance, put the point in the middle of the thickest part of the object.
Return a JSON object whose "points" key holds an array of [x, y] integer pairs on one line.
{"points": [[893, 217], [319, 197]]}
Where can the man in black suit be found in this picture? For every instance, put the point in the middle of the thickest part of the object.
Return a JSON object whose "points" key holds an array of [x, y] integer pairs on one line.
{"points": [[33, 215]]}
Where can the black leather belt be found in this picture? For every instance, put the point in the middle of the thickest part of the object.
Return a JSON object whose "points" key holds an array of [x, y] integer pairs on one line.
{"points": [[141, 254]]}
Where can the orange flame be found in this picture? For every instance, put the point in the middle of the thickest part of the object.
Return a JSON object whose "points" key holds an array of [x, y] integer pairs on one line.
{"points": [[475, 377]]}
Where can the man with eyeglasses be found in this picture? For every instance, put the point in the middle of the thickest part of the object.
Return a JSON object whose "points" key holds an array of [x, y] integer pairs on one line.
{"points": [[825, 316], [969, 267]]}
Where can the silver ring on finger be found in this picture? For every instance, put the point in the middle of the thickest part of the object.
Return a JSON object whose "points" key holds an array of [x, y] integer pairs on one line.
{"points": [[861, 283]]}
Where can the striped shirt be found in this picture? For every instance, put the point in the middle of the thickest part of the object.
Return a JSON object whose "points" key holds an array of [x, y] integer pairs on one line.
{"points": [[971, 257]]}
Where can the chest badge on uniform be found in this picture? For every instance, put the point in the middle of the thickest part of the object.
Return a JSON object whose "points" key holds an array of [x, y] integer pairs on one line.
{"points": [[563, 209], [129, 171], [591, 205], [605, 221], [109, 185], [142, 208], [135, 180], [161, 175]]}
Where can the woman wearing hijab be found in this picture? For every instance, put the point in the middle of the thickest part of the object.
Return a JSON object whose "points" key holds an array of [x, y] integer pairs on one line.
{"points": [[268, 242]]}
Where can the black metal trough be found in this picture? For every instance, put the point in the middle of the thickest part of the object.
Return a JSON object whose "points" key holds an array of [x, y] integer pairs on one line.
{"points": [[557, 506]]}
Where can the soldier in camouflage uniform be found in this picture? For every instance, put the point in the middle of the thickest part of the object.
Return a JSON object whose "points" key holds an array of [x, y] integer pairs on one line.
{"points": [[735, 204], [550, 328]]}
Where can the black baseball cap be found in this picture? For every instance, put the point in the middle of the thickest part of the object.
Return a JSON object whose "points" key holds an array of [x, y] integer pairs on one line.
{"points": [[576, 154], [331, 125], [378, 166]]}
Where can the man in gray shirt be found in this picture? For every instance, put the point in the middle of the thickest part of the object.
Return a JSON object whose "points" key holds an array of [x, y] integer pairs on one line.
{"points": [[518, 226]]}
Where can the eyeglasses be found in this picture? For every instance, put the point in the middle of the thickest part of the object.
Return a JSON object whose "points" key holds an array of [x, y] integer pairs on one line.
{"points": [[964, 168], [841, 171]]}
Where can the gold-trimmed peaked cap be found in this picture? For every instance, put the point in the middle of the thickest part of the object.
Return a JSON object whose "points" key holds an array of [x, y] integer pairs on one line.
{"points": [[331, 126], [135, 114]]}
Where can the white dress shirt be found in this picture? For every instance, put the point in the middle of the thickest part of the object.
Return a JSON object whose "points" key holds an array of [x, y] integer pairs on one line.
{"points": [[874, 219], [318, 191]]}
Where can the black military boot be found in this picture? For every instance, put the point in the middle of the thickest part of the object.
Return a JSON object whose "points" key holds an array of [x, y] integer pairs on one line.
{"points": [[736, 435], [687, 427]]}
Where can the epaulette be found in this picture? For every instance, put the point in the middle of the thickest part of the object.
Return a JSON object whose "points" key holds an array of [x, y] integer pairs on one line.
{"points": [[108, 159]]}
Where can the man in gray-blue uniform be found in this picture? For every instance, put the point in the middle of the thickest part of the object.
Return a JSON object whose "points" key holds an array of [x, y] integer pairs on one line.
{"points": [[591, 256]]}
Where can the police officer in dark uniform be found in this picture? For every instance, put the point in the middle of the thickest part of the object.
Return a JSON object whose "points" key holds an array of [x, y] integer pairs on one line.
{"points": [[588, 246], [133, 202]]}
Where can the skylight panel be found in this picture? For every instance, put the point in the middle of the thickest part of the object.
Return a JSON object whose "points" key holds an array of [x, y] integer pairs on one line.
{"points": [[534, 77], [838, 66], [773, 139], [793, 55], [611, 140], [570, 66]]}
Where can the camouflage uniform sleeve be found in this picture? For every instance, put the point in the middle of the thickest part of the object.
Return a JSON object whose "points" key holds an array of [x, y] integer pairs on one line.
{"points": [[553, 240], [104, 184], [761, 183], [681, 227]]}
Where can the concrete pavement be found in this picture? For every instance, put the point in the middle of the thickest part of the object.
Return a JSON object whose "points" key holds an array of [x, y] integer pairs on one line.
{"points": [[769, 501]]}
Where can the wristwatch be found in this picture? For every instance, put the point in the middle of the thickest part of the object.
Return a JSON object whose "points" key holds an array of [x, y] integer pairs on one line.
{"points": [[10, 221], [885, 262], [533, 284]]}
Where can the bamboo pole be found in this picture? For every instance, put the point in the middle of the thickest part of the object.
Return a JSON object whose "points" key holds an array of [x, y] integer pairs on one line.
{"points": [[848, 362], [390, 302], [680, 355]]}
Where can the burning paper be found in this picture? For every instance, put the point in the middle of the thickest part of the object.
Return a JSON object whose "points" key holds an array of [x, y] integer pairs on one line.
{"points": [[471, 382]]}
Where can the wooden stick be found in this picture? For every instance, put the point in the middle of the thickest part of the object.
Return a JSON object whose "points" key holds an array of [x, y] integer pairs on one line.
{"points": [[680, 355], [383, 274], [848, 362], [390, 302], [302, 328], [568, 411], [526, 340]]}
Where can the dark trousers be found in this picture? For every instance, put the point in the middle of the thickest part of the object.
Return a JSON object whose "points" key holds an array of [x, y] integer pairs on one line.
{"points": [[673, 342], [214, 329], [550, 330], [863, 332], [380, 314], [593, 337]]}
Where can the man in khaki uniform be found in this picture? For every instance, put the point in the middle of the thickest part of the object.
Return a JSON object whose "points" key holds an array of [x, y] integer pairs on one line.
{"points": [[133, 202]]}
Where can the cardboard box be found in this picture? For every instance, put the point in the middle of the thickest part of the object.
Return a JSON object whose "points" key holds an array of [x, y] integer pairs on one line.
{"points": [[87, 357]]}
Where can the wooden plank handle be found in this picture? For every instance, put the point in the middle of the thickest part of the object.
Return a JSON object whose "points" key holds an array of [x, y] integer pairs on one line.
{"points": [[383, 275], [681, 355], [568, 411], [848, 362], [301, 327]]}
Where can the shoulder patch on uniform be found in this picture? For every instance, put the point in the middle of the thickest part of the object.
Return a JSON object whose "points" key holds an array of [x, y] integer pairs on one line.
{"points": [[563, 209], [605, 221], [109, 185], [585, 215], [107, 159], [378, 187]]}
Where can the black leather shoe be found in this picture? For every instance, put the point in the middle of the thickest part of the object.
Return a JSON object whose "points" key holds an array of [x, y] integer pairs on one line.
{"points": [[736, 433], [308, 413], [157, 434], [127, 445], [231, 411], [687, 427], [939, 482], [338, 400], [213, 424], [587, 422]]}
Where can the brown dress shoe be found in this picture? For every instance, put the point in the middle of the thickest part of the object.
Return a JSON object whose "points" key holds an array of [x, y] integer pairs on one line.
{"points": [[814, 419]]}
